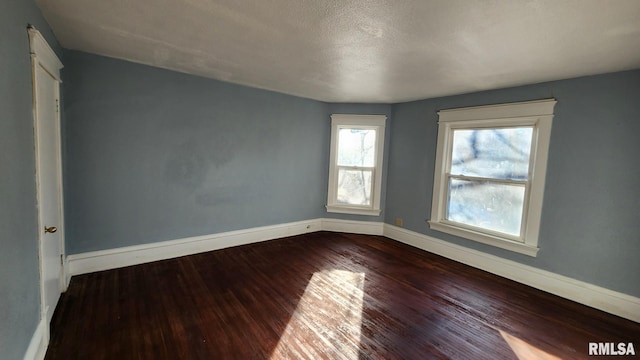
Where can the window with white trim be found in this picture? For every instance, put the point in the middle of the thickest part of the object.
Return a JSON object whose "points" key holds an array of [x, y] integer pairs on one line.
{"points": [[355, 165], [490, 171]]}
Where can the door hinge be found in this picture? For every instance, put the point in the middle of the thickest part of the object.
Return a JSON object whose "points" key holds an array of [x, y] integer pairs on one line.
{"points": [[61, 260], [57, 105]]}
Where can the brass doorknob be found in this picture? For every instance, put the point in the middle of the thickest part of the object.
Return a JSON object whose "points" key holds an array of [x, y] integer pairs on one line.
{"points": [[50, 229]]}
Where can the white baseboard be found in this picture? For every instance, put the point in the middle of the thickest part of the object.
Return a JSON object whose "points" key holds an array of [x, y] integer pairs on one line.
{"points": [[133, 255], [591, 295], [39, 341], [610, 301], [139, 254], [352, 226]]}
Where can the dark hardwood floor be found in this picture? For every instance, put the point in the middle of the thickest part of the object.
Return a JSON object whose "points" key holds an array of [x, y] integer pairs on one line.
{"points": [[320, 296]]}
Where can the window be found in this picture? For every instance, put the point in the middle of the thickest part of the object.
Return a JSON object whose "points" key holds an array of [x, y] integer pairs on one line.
{"points": [[490, 172], [355, 169]]}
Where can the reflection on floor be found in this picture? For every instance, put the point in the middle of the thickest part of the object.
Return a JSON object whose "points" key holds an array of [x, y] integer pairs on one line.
{"points": [[335, 298]]}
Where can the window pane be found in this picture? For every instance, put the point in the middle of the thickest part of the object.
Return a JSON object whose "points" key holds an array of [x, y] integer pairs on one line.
{"points": [[356, 147], [493, 153], [354, 187], [487, 205]]}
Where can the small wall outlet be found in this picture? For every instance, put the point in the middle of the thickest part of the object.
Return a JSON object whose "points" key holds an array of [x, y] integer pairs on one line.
{"points": [[399, 222]]}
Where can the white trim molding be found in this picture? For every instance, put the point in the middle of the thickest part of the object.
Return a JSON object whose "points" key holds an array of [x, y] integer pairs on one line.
{"points": [[139, 254], [610, 301], [537, 117], [351, 122], [38, 344], [353, 226], [40, 49]]}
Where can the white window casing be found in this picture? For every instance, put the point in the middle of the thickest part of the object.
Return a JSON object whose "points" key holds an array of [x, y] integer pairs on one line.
{"points": [[356, 122], [535, 114]]}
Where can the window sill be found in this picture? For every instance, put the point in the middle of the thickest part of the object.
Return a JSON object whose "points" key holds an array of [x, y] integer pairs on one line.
{"points": [[496, 241], [352, 210]]}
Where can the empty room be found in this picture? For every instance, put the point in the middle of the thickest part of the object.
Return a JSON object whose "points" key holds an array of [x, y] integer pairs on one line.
{"points": [[423, 179]]}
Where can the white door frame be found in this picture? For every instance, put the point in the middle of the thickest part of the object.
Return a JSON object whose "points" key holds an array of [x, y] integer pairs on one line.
{"points": [[44, 57]]}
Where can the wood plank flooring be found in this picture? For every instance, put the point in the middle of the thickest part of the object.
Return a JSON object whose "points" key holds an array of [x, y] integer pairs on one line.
{"points": [[320, 296]]}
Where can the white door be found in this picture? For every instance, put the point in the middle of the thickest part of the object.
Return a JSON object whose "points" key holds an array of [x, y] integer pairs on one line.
{"points": [[48, 173]]}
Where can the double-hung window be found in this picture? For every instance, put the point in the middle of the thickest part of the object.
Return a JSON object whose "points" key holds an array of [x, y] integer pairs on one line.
{"points": [[355, 171], [490, 173]]}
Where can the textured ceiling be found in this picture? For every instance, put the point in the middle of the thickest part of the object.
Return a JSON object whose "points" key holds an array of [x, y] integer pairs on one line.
{"points": [[360, 51]]}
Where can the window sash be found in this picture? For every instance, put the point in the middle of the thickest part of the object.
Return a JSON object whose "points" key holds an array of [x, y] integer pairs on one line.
{"points": [[490, 179], [372, 194], [357, 127], [356, 168], [523, 215], [524, 182]]}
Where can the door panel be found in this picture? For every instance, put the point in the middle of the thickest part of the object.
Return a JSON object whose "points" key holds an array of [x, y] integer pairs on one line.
{"points": [[46, 91], [49, 201]]}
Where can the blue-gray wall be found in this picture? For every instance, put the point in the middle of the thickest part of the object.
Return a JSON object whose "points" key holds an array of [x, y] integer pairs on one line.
{"points": [[154, 155], [19, 275], [590, 227]]}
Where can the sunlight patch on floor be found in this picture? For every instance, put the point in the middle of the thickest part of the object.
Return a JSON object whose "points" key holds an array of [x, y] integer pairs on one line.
{"points": [[524, 350], [328, 315]]}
